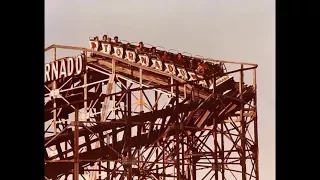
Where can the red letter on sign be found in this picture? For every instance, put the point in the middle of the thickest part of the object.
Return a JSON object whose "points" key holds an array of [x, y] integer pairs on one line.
{"points": [[182, 72], [130, 55], [143, 59], [93, 45], [105, 47], [118, 52], [157, 64]]}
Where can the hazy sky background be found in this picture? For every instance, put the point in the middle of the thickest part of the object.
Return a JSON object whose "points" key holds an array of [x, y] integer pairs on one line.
{"points": [[239, 30]]}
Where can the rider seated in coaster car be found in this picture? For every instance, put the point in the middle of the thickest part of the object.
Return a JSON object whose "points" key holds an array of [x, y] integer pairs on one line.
{"points": [[186, 62], [202, 67], [213, 69], [109, 40], [165, 57], [208, 67], [180, 60], [129, 56], [140, 49], [96, 38], [153, 52], [193, 64], [172, 57], [128, 46], [104, 38], [116, 41]]}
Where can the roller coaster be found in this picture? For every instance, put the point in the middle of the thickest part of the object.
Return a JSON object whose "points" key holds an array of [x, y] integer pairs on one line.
{"points": [[118, 112]]}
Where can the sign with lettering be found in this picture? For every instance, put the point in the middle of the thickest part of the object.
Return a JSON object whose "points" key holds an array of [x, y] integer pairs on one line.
{"points": [[118, 52], [192, 75], [94, 45], [64, 67], [143, 60], [156, 64], [130, 56], [106, 47], [170, 68], [182, 73]]}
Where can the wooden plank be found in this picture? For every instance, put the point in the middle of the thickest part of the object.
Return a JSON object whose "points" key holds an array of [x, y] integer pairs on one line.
{"points": [[107, 98]]}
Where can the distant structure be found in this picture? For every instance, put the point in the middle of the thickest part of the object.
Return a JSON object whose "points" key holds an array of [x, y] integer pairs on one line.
{"points": [[123, 110]]}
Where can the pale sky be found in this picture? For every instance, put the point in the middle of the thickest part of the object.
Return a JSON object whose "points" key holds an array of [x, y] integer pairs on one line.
{"points": [[221, 29]]}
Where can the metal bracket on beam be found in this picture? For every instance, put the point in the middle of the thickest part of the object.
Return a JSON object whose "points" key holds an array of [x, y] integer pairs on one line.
{"points": [[54, 93], [140, 102], [127, 162], [84, 116]]}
